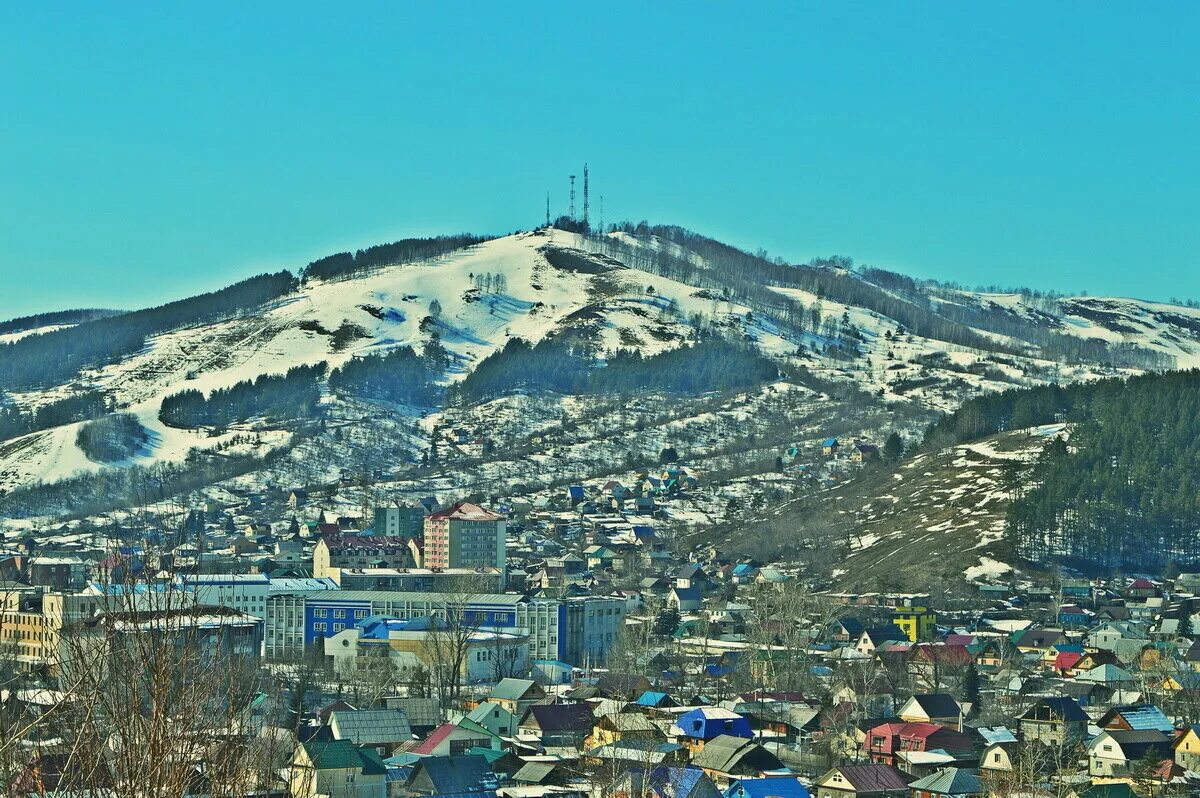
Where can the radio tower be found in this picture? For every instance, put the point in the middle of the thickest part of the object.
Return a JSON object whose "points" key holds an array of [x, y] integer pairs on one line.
{"points": [[572, 211], [547, 208], [601, 214], [585, 196]]}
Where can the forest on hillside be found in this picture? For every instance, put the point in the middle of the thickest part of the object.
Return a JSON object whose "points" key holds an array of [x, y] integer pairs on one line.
{"points": [[1120, 490], [749, 278], [343, 265], [569, 365], [56, 357], [54, 318], [275, 397], [74, 407]]}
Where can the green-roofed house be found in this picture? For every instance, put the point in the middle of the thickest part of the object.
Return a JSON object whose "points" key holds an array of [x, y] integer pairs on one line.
{"points": [[517, 695], [949, 783], [1113, 790], [338, 769], [495, 718]]}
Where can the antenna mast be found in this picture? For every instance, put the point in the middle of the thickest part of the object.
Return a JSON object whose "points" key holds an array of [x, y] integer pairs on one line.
{"points": [[547, 208], [572, 211], [601, 214], [585, 195]]}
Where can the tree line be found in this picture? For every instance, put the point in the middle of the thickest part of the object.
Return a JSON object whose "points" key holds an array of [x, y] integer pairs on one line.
{"points": [[275, 397], [1121, 491], [568, 364], [80, 406], [342, 265], [1124, 490], [58, 317], [55, 357], [748, 278], [401, 376]]}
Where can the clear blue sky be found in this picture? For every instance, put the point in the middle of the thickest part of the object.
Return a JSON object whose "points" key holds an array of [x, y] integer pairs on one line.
{"points": [[150, 151]]}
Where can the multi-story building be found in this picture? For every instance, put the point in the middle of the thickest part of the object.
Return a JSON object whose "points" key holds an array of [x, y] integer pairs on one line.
{"points": [[337, 551], [420, 580], [243, 592], [583, 628], [465, 536], [399, 519], [592, 626]]}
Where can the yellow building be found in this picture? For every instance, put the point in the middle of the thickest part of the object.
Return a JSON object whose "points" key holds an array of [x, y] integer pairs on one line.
{"points": [[919, 623]]}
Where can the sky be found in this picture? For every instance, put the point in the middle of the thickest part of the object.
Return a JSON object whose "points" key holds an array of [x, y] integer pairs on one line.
{"points": [[152, 151]]}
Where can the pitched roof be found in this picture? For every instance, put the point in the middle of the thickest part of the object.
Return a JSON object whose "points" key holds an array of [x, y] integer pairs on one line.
{"points": [[466, 511], [370, 726], [769, 787], [466, 773], [723, 753], [938, 705], [512, 689], [341, 755], [1140, 717], [560, 717], [867, 778], [950, 781], [1060, 707]]}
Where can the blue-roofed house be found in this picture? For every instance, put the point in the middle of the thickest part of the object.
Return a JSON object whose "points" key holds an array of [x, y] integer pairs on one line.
{"points": [[697, 726], [743, 573], [466, 775], [829, 447], [665, 782], [652, 699], [1136, 717], [769, 787]]}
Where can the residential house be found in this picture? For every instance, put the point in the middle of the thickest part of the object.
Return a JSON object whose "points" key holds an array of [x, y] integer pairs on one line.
{"points": [[380, 729], [871, 639], [1187, 749], [464, 776], [1055, 721], [337, 769], [772, 787], [726, 758], [949, 783], [999, 757], [940, 708], [451, 739], [862, 781], [558, 725], [611, 729], [884, 743], [697, 726], [1136, 717], [494, 717], [1116, 754], [864, 452], [664, 782], [517, 695], [829, 447]]}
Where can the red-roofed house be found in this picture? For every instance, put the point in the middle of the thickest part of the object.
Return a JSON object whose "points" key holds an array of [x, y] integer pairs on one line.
{"points": [[883, 742], [1066, 661]]}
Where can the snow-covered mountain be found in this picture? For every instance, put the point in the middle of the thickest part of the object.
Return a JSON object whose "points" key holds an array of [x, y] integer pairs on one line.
{"points": [[910, 348]]}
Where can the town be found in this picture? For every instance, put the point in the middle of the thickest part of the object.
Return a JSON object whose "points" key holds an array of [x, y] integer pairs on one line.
{"points": [[566, 646]]}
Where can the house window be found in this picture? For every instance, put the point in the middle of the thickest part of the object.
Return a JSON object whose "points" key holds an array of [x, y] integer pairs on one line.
{"points": [[322, 613], [337, 627]]}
